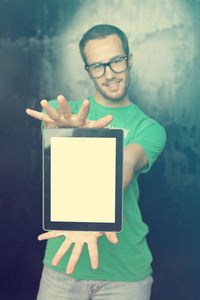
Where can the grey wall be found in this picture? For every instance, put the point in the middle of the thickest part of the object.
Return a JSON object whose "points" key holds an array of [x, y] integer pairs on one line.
{"points": [[39, 59]]}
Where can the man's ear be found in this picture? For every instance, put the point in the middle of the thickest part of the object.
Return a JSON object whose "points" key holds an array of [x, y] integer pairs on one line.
{"points": [[130, 60]]}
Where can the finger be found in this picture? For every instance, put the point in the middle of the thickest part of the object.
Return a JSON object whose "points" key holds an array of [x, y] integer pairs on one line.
{"points": [[38, 115], [49, 235], [103, 122], [75, 255], [61, 252], [93, 253], [84, 110], [64, 107], [112, 237], [51, 112]]}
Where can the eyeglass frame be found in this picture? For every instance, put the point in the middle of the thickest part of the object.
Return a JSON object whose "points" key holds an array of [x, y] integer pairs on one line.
{"points": [[109, 65]]}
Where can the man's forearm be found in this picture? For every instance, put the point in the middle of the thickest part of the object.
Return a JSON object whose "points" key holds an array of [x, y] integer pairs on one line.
{"points": [[127, 174], [134, 160]]}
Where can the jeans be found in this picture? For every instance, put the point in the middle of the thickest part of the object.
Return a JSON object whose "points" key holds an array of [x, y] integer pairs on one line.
{"points": [[55, 285]]}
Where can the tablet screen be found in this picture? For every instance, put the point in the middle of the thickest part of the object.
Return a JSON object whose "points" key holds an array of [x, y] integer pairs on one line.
{"points": [[82, 179]]}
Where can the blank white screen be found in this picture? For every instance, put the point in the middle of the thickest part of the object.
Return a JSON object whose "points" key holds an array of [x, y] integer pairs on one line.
{"points": [[83, 179]]}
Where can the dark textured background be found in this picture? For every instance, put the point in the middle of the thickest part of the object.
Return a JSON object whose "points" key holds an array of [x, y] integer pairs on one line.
{"points": [[39, 59]]}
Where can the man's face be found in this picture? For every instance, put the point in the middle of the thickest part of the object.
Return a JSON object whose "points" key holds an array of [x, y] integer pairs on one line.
{"points": [[112, 86]]}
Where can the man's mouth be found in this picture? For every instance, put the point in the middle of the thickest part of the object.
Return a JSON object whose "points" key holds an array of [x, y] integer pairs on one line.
{"points": [[112, 85]]}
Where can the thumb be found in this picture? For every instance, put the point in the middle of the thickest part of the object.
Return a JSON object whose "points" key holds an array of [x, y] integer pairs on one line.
{"points": [[103, 122], [112, 237]]}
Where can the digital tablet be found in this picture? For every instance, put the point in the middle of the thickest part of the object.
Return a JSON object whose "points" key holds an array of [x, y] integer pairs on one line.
{"points": [[82, 179]]}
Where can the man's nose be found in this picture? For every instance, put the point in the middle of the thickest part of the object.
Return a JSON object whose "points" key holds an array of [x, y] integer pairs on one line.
{"points": [[108, 73]]}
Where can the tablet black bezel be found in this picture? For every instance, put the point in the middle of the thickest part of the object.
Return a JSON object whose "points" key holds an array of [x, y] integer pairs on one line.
{"points": [[82, 132]]}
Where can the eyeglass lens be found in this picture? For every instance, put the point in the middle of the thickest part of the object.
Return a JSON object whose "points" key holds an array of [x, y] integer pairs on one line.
{"points": [[117, 65]]}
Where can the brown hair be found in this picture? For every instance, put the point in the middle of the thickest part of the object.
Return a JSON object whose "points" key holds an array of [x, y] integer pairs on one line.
{"points": [[101, 31]]}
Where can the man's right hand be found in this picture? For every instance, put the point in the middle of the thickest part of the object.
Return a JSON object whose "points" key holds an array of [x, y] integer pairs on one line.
{"points": [[63, 117], [79, 238]]}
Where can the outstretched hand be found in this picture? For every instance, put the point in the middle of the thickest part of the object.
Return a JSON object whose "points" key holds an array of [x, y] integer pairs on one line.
{"points": [[79, 238], [63, 117]]}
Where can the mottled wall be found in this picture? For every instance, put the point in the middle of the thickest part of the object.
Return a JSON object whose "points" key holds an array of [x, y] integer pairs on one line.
{"points": [[39, 59]]}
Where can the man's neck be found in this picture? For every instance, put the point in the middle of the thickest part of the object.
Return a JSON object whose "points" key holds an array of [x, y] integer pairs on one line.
{"points": [[125, 101]]}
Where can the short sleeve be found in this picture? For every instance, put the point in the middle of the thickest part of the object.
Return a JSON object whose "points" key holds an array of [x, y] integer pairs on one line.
{"points": [[152, 139]]}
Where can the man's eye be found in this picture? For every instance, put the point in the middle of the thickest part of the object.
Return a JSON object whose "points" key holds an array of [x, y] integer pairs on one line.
{"points": [[97, 67], [117, 60]]}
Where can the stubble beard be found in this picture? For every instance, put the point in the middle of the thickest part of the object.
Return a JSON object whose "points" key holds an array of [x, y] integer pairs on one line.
{"points": [[119, 98]]}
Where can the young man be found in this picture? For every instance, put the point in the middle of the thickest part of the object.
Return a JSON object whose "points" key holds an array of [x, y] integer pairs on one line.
{"points": [[124, 260]]}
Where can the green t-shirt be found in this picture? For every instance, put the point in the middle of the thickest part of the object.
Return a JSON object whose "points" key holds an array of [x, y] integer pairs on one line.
{"points": [[130, 259]]}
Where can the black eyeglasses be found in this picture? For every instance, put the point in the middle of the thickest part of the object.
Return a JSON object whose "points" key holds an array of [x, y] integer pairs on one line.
{"points": [[117, 65]]}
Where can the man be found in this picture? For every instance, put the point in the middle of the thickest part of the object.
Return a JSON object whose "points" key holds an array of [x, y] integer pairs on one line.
{"points": [[121, 265]]}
